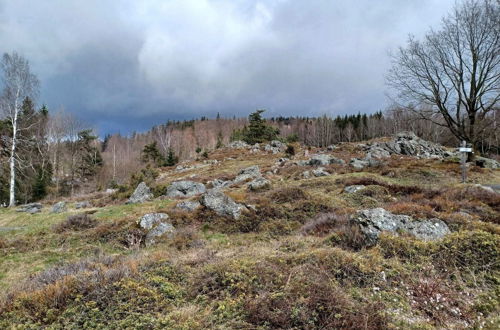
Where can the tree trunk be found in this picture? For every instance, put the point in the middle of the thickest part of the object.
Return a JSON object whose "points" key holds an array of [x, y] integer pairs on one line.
{"points": [[12, 161]]}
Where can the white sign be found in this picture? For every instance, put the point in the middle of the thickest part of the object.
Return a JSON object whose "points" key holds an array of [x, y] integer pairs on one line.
{"points": [[465, 149]]}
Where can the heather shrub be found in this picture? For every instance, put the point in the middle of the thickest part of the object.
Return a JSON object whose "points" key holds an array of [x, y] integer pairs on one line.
{"points": [[76, 222]]}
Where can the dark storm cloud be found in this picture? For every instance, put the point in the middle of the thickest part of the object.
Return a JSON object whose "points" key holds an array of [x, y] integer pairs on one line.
{"points": [[126, 65]]}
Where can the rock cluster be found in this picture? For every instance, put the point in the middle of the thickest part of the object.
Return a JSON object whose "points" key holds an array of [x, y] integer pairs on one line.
{"points": [[372, 222], [238, 145], [185, 189], [31, 208], [320, 171], [154, 225], [141, 194]]}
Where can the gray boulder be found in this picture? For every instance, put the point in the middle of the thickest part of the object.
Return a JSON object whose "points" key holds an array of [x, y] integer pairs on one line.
{"points": [[222, 204], [354, 188], [359, 164], [319, 160], [275, 147], [331, 147], [306, 174], [185, 189], [82, 205], [372, 222], [188, 205], [31, 208], [487, 163], [259, 184], [155, 226], [59, 207], [324, 159], [220, 184], [141, 194], [320, 171], [248, 173]]}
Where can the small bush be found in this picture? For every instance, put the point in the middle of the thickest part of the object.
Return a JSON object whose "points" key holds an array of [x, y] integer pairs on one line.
{"points": [[288, 195], [76, 222], [290, 150], [471, 250]]}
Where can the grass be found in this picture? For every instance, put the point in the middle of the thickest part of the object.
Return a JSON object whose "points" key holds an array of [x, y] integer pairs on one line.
{"points": [[294, 262]]}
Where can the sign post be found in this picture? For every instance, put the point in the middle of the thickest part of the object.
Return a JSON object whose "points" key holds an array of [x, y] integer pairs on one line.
{"points": [[463, 151]]}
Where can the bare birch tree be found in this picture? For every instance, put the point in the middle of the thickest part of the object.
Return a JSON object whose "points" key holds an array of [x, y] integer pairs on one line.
{"points": [[18, 83], [454, 72]]}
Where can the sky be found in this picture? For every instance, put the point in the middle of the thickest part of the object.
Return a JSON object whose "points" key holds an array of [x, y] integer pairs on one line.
{"points": [[127, 65]]}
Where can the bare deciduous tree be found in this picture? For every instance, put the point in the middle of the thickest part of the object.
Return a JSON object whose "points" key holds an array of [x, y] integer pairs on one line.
{"points": [[454, 72], [19, 83]]}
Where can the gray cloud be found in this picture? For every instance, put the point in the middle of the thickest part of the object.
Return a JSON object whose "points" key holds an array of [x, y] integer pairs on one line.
{"points": [[126, 65]]}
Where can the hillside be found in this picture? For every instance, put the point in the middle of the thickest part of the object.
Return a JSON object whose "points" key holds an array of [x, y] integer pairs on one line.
{"points": [[373, 235]]}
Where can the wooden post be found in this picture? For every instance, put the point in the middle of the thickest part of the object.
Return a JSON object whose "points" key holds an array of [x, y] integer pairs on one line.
{"points": [[463, 162]]}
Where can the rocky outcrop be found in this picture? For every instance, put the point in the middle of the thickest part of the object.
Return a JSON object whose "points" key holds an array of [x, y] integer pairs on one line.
{"points": [[406, 143], [372, 222], [222, 204], [188, 205], [141, 194], [155, 226], [59, 207], [185, 189], [31, 208], [248, 173], [259, 184]]}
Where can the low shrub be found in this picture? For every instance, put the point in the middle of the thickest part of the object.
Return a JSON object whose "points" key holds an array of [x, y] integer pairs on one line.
{"points": [[476, 251], [76, 222], [288, 195]]}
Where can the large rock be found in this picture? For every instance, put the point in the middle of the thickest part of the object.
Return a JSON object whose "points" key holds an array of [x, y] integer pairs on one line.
{"points": [[155, 226], [188, 205], [275, 147], [248, 173], [324, 159], [372, 222], [320, 171], [221, 184], [82, 205], [359, 164], [185, 189], [259, 184], [222, 204], [30, 208], [141, 194], [487, 163], [59, 207]]}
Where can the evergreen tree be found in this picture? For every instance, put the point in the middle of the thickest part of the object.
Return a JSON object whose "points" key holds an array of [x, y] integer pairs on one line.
{"points": [[150, 153], [172, 159], [258, 130]]}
